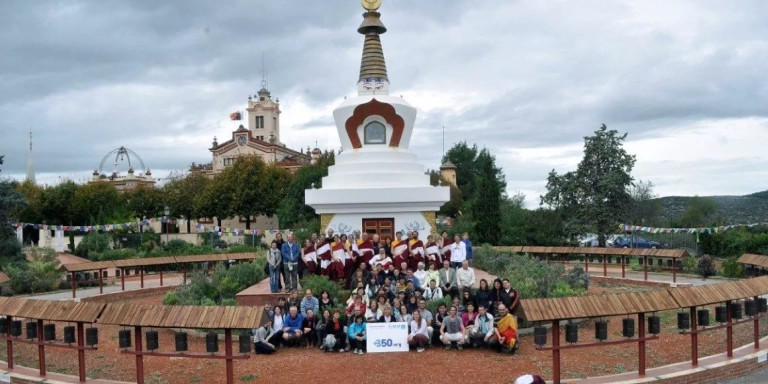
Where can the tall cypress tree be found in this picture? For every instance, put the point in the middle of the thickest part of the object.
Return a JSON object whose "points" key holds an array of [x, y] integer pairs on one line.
{"points": [[486, 205]]}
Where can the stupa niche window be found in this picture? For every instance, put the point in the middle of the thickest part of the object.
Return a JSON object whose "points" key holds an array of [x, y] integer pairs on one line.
{"points": [[375, 133]]}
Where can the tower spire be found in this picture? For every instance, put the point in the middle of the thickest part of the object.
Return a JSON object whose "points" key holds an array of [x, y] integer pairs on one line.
{"points": [[30, 161], [373, 68]]}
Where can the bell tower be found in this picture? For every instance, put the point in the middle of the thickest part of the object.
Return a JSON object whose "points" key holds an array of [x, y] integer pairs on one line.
{"points": [[264, 113]]}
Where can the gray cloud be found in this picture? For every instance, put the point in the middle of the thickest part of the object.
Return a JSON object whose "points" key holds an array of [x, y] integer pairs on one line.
{"points": [[161, 77]]}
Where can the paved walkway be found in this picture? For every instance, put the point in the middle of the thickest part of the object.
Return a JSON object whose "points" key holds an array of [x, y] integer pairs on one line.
{"points": [[758, 377], [151, 281]]}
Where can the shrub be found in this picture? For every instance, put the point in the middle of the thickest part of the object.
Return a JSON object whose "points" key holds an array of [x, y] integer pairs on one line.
{"points": [[40, 274], [170, 298], [318, 283], [176, 246], [564, 289], [93, 242], [577, 278], [706, 266], [207, 302], [690, 265], [229, 302], [532, 277], [115, 254], [731, 268]]}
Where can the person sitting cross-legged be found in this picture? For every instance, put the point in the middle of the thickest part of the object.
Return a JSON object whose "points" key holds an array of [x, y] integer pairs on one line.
{"points": [[505, 332], [452, 330]]}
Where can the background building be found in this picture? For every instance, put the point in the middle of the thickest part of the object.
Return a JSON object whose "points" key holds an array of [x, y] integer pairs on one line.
{"points": [[123, 181]]}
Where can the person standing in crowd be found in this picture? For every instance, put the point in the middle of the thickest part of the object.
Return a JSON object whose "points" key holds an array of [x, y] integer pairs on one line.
{"points": [[261, 337], [433, 273], [483, 295], [291, 254], [386, 315], [329, 238], [458, 252], [483, 329], [308, 258], [274, 260], [418, 337], [309, 302], [452, 330], [433, 253], [279, 240], [448, 279], [505, 331], [325, 301], [465, 276], [388, 246], [509, 293], [308, 328], [468, 246], [497, 295], [421, 275], [433, 292], [356, 333]]}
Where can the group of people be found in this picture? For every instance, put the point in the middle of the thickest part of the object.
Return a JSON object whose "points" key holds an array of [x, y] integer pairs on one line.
{"points": [[476, 318], [339, 256]]}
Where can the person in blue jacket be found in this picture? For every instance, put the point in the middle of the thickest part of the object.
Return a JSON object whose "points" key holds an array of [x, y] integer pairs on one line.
{"points": [[291, 253], [292, 326], [356, 334]]}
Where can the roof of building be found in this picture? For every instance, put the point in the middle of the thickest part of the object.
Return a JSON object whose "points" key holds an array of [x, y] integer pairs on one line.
{"points": [[447, 165]]}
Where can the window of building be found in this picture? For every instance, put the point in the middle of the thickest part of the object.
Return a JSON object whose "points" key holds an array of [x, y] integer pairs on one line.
{"points": [[229, 161], [259, 121], [375, 133]]}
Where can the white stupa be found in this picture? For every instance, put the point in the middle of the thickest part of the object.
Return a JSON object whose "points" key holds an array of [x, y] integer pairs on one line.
{"points": [[377, 185]]}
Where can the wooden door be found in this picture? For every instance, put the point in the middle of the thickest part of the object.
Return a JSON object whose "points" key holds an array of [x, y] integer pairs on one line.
{"points": [[383, 227]]}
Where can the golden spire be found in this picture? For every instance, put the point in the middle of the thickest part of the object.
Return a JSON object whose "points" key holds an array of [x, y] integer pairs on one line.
{"points": [[373, 69]]}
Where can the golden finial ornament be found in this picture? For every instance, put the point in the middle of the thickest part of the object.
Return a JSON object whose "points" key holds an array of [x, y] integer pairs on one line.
{"points": [[371, 5]]}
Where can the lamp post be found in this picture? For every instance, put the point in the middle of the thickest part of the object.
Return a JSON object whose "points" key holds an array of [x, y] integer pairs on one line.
{"points": [[167, 212]]}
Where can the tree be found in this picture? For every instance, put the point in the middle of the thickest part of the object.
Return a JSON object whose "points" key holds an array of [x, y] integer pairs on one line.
{"points": [[180, 193], [255, 188], [10, 201], [465, 159], [452, 207], [487, 200], [57, 203], [144, 201], [214, 200], [700, 212], [292, 209], [99, 203], [595, 196], [645, 205], [31, 212]]}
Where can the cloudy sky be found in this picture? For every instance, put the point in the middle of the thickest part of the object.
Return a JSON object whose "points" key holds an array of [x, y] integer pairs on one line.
{"points": [[688, 81]]}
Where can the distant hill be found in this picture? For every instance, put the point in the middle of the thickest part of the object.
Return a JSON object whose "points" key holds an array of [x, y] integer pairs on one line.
{"points": [[732, 209]]}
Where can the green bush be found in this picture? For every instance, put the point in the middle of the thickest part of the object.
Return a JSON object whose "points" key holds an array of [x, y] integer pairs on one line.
{"points": [[176, 246], [634, 264], [229, 302], [40, 274], [690, 265], [93, 243], [207, 302], [532, 277], [577, 278], [706, 266], [731, 268], [170, 298], [115, 254], [230, 281], [318, 283], [564, 289]]}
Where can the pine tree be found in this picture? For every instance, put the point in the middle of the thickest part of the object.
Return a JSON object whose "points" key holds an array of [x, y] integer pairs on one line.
{"points": [[486, 205]]}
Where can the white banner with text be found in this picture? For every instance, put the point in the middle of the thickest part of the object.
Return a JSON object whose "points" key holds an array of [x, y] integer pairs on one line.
{"points": [[387, 337]]}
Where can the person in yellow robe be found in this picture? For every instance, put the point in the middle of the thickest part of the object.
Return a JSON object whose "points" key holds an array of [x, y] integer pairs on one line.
{"points": [[505, 331]]}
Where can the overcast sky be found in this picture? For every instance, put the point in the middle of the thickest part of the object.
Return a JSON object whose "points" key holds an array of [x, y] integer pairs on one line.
{"points": [[688, 81]]}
